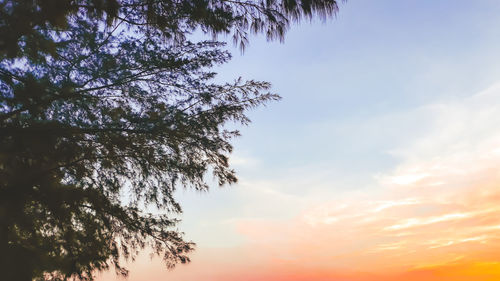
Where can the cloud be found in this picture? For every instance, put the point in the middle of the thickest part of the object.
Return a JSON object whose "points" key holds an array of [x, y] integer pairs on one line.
{"points": [[435, 211], [434, 216]]}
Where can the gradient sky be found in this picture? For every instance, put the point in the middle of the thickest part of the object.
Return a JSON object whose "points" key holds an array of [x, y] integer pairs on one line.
{"points": [[380, 163]]}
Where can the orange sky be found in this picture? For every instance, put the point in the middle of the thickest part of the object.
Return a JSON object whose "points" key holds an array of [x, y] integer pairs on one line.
{"points": [[414, 229]]}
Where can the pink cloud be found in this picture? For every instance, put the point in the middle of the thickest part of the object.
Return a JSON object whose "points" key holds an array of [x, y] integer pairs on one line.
{"points": [[435, 216]]}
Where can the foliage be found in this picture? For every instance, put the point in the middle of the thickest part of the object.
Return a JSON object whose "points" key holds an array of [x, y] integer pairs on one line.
{"points": [[25, 20], [106, 108]]}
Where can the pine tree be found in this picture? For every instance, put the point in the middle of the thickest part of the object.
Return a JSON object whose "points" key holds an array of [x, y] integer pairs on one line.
{"points": [[106, 108]]}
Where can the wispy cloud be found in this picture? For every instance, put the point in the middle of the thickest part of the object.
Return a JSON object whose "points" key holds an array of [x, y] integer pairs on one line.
{"points": [[433, 216], [435, 211]]}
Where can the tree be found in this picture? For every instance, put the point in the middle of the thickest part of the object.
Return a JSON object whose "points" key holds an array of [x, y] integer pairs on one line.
{"points": [[106, 108]]}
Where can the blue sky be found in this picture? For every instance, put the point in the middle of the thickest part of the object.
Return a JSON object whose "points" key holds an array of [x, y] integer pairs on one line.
{"points": [[375, 57], [338, 79]]}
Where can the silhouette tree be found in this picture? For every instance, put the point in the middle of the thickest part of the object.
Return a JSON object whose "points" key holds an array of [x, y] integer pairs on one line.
{"points": [[105, 108]]}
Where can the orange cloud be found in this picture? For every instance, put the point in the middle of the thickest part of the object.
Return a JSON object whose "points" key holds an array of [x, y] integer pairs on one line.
{"points": [[434, 217], [446, 234]]}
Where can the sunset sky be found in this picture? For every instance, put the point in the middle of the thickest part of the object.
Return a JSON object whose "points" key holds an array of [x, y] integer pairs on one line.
{"points": [[380, 163]]}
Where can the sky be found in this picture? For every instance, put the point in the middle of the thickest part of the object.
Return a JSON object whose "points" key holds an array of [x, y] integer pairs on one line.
{"points": [[379, 163]]}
